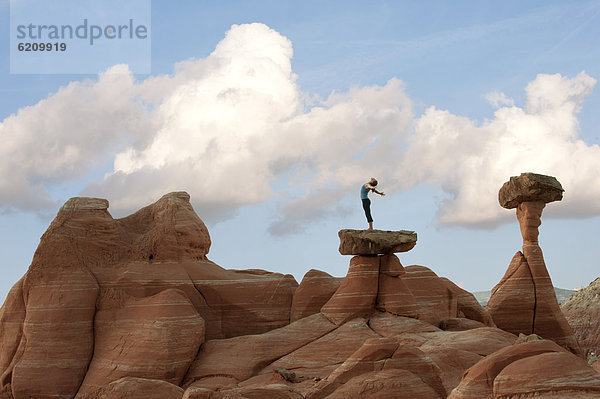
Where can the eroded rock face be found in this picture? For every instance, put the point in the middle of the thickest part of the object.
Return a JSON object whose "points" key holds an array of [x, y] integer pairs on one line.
{"points": [[135, 388], [582, 311], [106, 298], [376, 242], [520, 370], [132, 308], [529, 187], [313, 292], [524, 301]]}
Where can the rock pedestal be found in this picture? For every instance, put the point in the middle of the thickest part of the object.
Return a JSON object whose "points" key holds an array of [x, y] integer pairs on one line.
{"points": [[524, 300], [374, 277]]}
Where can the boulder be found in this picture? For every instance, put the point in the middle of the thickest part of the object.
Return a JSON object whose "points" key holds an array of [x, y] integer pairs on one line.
{"points": [[314, 291], [529, 187], [376, 242]]}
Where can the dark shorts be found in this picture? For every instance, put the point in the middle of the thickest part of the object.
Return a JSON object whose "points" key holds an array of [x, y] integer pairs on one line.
{"points": [[367, 207]]}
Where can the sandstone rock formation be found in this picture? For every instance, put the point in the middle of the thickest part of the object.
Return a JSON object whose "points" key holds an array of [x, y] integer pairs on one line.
{"points": [[519, 370], [126, 297], [376, 242], [314, 291], [524, 300], [132, 308], [582, 311]]}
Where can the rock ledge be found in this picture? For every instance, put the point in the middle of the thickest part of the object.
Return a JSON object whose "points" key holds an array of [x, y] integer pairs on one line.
{"points": [[376, 242]]}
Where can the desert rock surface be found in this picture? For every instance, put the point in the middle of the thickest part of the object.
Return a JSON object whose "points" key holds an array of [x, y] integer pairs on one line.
{"points": [[582, 311], [133, 307]]}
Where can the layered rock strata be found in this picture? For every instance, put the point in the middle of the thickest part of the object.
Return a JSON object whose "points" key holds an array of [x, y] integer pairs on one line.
{"points": [[524, 300], [132, 308]]}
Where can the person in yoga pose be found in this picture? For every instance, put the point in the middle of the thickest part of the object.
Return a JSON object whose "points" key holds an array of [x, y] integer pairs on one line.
{"points": [[364, 195]]}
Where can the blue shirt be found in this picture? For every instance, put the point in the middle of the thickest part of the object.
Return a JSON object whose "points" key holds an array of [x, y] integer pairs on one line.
{"points": [[364, 191]]}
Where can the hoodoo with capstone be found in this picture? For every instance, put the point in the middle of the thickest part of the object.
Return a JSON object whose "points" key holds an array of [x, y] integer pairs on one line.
{"points": [[524, 300]]}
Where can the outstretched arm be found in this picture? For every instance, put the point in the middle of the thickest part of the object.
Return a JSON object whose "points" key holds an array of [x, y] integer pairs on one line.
{"points": [[370, 187]]}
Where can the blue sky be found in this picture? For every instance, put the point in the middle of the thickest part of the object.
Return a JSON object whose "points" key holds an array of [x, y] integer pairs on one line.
{"points": [[441, 101]]}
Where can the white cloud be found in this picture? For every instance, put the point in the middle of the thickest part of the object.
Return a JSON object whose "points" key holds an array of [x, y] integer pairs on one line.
{"points": [[235, 129], [472, 161], [499, 99]]}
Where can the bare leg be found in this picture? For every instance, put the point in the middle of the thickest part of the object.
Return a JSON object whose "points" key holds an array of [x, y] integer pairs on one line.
{"points": [[370, 225]]}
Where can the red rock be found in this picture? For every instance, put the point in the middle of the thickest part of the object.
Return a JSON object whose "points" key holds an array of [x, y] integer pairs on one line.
{"points": [[12, 316], [393, 295], [197, 393], [314, 291], [319, 358], [58, 332], [456, 351], [85, 253], [478, 381], [524, 301], [135, 388], [357, 293], [366, 359], [558, 373], [597, 366], [452, 363], [214, 383], [388, 325], [438, 298], [417, 362], [385, 384], [242, 357], [459, 324], [272, 391], [390, 266], [512, 300], [582, 311], [154, 338]]}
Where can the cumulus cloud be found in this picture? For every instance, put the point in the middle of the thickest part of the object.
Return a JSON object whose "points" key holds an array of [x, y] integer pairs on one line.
{"points": [[499, 99], [471, 161], [234, 129]]}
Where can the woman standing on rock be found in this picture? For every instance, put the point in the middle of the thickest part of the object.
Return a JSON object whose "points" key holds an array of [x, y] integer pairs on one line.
{"points": [[364, 195]]}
